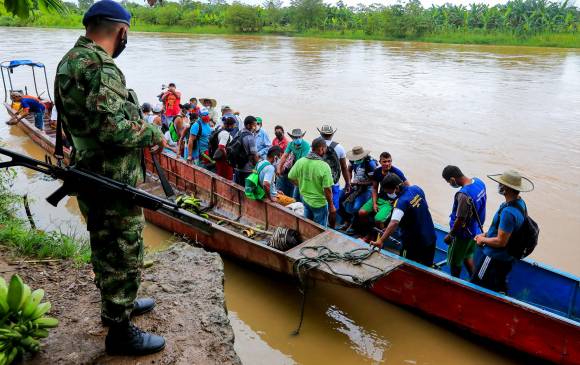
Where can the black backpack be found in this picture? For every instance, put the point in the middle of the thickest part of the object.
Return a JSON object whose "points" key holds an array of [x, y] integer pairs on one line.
{"points": [[214, 140], [236, 153], [331, 158], [524, 240]]}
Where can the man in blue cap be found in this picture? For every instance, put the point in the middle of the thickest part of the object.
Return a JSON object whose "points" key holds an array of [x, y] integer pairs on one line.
{"points": [[102, 119]]}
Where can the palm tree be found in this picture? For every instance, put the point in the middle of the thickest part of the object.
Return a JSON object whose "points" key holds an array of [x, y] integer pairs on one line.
{"points": [[24, 8]]}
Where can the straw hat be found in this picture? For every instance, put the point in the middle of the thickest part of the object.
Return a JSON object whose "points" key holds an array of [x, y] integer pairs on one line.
{"points": [[297, 133], [326, 130], [357, 153], [213, 102], [514, 180]]}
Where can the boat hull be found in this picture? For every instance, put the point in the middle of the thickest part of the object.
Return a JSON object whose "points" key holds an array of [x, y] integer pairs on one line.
{"points": [[545, 334], [484, 313]]}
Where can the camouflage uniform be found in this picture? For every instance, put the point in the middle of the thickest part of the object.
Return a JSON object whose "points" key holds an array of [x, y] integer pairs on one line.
{"points": [[102, 119]]}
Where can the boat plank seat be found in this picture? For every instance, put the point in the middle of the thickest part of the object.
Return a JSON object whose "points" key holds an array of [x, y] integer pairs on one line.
{"points": [[370, 269]]}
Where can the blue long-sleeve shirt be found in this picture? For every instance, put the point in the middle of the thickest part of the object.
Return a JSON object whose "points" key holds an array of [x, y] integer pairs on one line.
{"points": [[263, 143]]}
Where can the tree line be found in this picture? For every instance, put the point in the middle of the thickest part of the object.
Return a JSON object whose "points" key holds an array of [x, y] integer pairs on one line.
{"points": [[408, 20]]}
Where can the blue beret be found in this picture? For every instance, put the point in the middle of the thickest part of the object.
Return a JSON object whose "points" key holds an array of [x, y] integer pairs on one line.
{"points": [[108, 9]]}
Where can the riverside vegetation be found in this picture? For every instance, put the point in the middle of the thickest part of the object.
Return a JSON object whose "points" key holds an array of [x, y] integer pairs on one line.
{"points": [[25, 241], [517, 22]]}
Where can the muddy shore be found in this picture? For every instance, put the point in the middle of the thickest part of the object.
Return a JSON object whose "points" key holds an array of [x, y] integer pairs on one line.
{"points": [[187, 283]]}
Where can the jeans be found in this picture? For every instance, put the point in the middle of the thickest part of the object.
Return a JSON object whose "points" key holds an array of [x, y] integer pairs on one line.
{"points": [[39, 120], [318, 215], [240, 177], [284, 185]]}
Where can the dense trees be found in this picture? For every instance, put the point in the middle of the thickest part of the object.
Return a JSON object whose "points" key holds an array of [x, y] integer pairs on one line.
{"points": [[404, 20]]}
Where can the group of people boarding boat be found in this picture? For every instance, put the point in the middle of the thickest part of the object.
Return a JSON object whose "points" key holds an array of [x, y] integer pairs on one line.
{"points": [[376, 202]]}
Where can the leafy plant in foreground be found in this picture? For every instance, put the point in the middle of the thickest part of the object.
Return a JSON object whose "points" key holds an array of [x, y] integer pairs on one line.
{"points": [[22, 320]]}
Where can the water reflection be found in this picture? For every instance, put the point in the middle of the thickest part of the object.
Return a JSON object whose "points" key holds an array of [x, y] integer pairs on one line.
{"points": [[369, 345]]}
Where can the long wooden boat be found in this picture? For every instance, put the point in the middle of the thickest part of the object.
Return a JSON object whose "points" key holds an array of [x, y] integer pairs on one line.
{"points": [[540, 315]]}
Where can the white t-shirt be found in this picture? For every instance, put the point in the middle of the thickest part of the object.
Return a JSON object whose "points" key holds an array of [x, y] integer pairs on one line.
{"points": [[53, 113], [169, 139], [340, 152], [224, 137]]}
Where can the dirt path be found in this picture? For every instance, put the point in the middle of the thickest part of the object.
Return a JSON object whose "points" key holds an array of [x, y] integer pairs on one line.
{"points": [[187, 283]]}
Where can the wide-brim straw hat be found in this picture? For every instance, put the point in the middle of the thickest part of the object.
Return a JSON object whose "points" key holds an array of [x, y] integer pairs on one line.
{"points": [[357, 153], [326, 130], [513, 179], [213, 101], [297, 133]]}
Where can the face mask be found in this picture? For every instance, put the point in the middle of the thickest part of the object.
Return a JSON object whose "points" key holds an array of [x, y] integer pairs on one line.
{"points": [[501, 189], [205, 118], [298, 141], [453, 184], [392, 195], [258, 127], [279, 135], [121, 45]]}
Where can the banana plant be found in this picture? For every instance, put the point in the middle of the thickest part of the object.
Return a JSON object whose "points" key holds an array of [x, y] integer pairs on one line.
{"points": [[22, 320], [25, 8]]}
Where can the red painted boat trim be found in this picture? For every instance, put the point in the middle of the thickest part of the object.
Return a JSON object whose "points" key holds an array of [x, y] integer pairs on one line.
{"points": [[503, 320]]}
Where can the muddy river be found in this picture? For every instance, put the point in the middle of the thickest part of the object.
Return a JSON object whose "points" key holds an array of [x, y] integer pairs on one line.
{"points": [[483, 108]]}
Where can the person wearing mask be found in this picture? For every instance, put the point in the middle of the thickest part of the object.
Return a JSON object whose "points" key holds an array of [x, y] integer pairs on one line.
{"points": [[263, 142], [198, 142], [267, 173], [379, 204], [313, 178], [247, 155], [411, 214], [494, 263], [225, 136], [296, 149], [466, 219], [280, 139], [336, 158], [30, 105], [171, 100], [210, 105], [103, 119], [352, 198]]}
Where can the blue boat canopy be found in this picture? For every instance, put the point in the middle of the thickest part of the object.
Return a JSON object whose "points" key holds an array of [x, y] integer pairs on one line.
{"points": [[16, 63]]}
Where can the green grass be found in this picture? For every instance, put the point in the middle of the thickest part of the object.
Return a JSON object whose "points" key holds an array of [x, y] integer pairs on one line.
{"points": [[16, 235], [29, 243]]}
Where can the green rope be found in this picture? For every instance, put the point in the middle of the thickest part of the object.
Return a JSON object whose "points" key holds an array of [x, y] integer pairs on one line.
{"points": [[324, 256]]}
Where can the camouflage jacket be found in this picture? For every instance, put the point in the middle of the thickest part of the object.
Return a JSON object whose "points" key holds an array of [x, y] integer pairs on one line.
{"points": [[100, 115]]}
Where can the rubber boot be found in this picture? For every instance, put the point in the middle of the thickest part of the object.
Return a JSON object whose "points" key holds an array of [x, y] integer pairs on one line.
{"points": [[140, 306], [127, 339]]}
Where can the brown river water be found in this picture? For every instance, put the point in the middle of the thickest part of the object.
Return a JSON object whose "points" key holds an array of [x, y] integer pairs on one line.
{"points": [[483, 108]]}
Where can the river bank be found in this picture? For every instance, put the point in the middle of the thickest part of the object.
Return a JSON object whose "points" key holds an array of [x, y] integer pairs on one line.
{"points": [[187, 283], [550, 40]]}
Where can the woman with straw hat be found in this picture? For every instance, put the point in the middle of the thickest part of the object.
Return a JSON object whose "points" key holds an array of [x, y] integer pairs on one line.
{"points": [[494, 263]]}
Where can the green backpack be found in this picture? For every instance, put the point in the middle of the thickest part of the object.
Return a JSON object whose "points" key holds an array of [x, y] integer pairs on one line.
{"points": [[253, 189]]}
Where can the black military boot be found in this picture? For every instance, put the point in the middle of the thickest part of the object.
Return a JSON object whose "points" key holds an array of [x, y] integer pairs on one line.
{"points": [[127, 339], [140, 306]]}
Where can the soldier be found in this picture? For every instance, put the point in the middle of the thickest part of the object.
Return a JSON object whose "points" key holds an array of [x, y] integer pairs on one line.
{"points": [[102, 119]]}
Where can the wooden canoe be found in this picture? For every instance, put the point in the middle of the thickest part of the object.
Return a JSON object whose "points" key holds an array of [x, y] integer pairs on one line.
{"points": [[540, 315]]}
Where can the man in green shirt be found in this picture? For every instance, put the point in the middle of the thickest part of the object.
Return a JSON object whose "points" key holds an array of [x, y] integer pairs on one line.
{"points": [[313, 177]]}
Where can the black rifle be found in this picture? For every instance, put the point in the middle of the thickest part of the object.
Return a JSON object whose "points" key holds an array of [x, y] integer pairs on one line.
{"points": [[78, 181]]}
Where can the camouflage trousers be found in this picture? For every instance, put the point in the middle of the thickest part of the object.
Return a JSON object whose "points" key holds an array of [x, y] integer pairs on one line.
{"points": [[115, 228]]}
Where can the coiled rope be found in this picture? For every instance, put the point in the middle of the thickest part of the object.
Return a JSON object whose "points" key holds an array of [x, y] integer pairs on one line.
{"points": [[324, 256]]}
